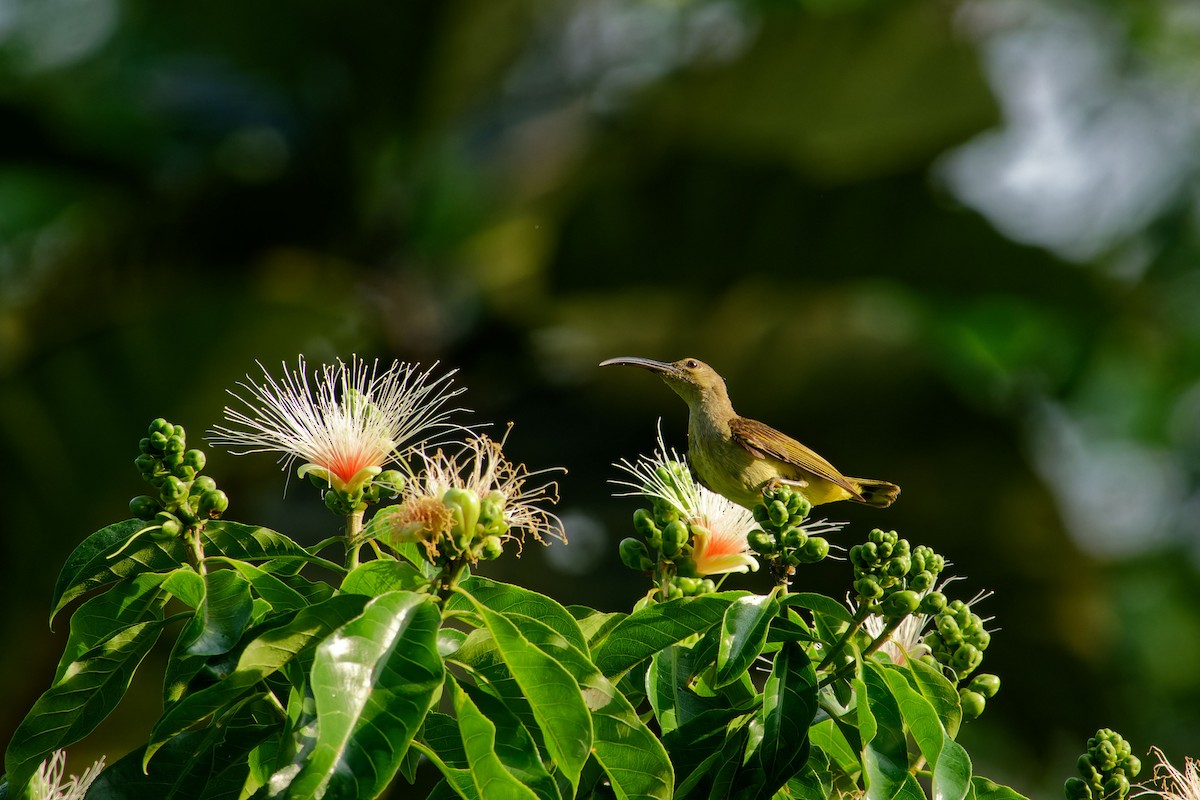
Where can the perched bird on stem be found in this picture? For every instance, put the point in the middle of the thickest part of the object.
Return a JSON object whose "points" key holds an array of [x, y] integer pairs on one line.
{"points": [[739, 457]]}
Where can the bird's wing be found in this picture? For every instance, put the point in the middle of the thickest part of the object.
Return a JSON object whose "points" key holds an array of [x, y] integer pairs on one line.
{"points": [[763, 440]]}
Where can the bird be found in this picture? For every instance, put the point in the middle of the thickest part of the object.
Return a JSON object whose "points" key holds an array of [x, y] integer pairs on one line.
{"points": [[741, 458]]}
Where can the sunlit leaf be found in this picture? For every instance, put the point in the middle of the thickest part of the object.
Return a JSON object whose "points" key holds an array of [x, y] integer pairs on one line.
{"points": [[490, 775], [553, 694], [743, 633], [506, 598], [383, 575], [650, 629], [988, 790], [951, 765], [634, 760], [885, 751], [373, 680]]}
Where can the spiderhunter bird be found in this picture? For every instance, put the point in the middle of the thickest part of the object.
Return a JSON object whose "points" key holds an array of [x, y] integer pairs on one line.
{"points": [[738, 457]]}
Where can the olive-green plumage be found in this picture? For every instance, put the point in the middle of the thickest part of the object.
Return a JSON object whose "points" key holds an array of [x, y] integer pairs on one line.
{"points": [[738, 457]]}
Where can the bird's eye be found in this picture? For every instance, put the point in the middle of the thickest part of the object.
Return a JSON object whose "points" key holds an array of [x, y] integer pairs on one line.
{"points": [[692, 363]]}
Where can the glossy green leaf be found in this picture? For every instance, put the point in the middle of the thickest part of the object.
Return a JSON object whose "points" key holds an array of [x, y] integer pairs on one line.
{"points": [[632, 757], [276, 591], [204, 764], [223, 612], [595, 625], [374, 680], [885, 751], [269, 652], [940, 692], [553, 694], [827, 736], [789, 705], [91, 687], [248, 542], [648, 630], [508, 599], [988, 790], [744, 629], [491, 777], [820, 603], [675, 705], [951, 765], [910, 790], [384, 575], [134, 600], [93, 564]]}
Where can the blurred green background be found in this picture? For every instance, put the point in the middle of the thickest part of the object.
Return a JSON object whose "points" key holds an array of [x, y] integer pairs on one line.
{"points": [[949, 244]]}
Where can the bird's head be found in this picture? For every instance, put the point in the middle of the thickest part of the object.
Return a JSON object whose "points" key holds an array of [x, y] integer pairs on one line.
{"points": [[692, 379]]}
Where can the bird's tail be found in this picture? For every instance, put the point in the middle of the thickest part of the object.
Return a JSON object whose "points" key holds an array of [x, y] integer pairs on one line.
{"points": [[880, 494]]}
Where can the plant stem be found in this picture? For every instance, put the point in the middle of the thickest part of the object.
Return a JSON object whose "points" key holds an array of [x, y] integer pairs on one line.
{"points": [[860, 617], [197, 548], [353, 543], [875, 644]]}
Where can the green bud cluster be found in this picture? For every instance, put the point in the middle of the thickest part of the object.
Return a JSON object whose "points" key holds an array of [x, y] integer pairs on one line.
{"points": [[662, 532], [387, 485], [958, 640], [780, 537], [185, 498], [975, 695], [895, 577], [1106, 767], [683, 586]]}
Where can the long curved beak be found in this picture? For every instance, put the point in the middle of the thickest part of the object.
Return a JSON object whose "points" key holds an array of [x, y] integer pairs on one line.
{"points": [[644, 363]]}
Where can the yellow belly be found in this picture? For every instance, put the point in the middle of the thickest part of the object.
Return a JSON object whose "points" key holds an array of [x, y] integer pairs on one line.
{"points": [[730, 470]]}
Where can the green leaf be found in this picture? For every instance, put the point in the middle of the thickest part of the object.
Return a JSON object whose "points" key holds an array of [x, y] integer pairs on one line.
{"points": [[820, 603], [595, 625], [491, 777], [744, 629], [951, 765], [134, 600], [553, 694], [196, 765], [885, 751], [910, 790], [788, 709], [373, 680], [829, 738], [631, 756], [94, 564], [91, 687], [508, 599], [281, 596], [650, 629], [223, 612], [269, 652], [940, 693], [675, 705], [988, 790], [249, 542], [384, 575]]}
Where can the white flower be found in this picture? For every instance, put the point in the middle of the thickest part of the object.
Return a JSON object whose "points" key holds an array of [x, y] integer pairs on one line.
{"points": [[345, 426], [509, 506], [906, 642], [719, 526], [47, 783], [1173, 784]]}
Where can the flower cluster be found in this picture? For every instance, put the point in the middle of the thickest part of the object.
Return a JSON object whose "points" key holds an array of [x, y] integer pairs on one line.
{"points": [[48, 782], [1106, 769], [185, 498], [345, 427], [1173, 784], [688, 530], [464, 506]]}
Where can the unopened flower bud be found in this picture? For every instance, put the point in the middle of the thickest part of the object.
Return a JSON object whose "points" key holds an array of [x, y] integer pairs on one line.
{"points": [[675, 535], [761, 542], [635, 555], [144, 507], [972, 703], [213, 503], [491, 548], [814, 550], [986, 684], [898, 605], [1077, 789]]}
